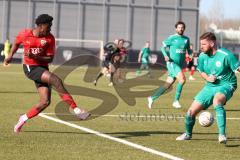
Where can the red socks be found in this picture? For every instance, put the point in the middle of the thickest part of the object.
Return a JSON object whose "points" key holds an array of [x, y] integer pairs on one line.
{"points": [[192, 72], [32, 113], [65, 97], [69, 100]]}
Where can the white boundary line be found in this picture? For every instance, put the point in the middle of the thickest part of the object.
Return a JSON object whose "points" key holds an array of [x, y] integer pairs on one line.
{"points": [[134, 145], [123, 116]]}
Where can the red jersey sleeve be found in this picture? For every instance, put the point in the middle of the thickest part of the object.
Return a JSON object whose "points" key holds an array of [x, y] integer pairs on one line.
{"points": [[20, 37], [123, 51], [51, 46], [188, 58]]}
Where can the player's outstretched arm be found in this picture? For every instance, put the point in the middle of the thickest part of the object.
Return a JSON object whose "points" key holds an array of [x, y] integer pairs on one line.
{"points": [[163, 49], [13, 50], [139, 56]]}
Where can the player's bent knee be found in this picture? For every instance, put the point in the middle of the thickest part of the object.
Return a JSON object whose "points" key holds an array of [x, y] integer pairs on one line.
{"points": [[219, 100], [45, 103], [191, 113], [56, 82], [48, 103], [59, 82], [167, 85], [182, 81]]}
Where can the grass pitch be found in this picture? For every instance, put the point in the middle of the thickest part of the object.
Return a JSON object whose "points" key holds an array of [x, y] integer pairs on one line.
{"points": [[119, 117]]}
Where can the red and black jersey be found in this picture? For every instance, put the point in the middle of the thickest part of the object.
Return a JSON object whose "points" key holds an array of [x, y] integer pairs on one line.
{"points": [[43, 46], [122, 51], [188, 58]]}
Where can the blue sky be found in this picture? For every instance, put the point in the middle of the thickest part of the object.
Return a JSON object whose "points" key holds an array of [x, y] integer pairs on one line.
{"points": [[231, 8]]}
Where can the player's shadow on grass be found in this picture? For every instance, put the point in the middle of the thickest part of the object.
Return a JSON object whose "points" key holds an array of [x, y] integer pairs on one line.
{"points": [[230, 139], [233, 145], [147, 133], [233, 139], [232, 110], [140, 133]]}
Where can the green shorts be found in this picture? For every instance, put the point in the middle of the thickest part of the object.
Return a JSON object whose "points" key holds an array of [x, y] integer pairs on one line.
{"points": [[206, 95], [173, 69], [145, 60]]}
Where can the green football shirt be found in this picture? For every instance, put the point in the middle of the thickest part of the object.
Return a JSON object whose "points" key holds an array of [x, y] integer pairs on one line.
{"points": [[178, 45], [145, 54], [222, 65]]}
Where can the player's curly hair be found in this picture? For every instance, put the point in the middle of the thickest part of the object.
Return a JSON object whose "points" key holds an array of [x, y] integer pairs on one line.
{"points": [[111, 48], [180, 23], [44, 19]]}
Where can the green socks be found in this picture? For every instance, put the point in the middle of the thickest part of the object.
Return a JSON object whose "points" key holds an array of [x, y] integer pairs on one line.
{"points": [[189, 123], [178, 91], [159, 92], [221, 118]]}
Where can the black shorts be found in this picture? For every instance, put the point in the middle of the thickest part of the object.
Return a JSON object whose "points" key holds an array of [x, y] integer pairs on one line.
{"points": [[106, 64], [35, 73], [190, 64], [116, 65]]}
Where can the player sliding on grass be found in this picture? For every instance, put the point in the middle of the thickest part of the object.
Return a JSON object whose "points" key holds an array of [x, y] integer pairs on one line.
{"points": [[178, 44], [39, 50], [218, 68]]}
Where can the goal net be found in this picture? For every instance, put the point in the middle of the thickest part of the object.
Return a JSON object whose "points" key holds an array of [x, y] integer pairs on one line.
{"points": [[67, 49]]}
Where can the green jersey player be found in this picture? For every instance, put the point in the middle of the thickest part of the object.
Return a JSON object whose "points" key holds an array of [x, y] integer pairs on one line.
{"points": [[218, 68], [178, 45], [143, 58]]}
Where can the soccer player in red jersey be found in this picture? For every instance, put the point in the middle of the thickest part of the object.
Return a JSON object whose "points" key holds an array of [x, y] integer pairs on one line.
{"points": [[123, 50], [39, 50], [190, 63], [123, 53], [111, 62]]}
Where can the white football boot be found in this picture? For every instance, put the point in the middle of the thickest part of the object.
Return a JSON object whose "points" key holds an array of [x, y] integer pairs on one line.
{"points": [[150, 102], [176, 104], [222, 139], [183, 137]]}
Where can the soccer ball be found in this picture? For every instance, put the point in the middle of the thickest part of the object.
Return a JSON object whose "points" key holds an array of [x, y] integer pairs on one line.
{"points": [[206, 119]]}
